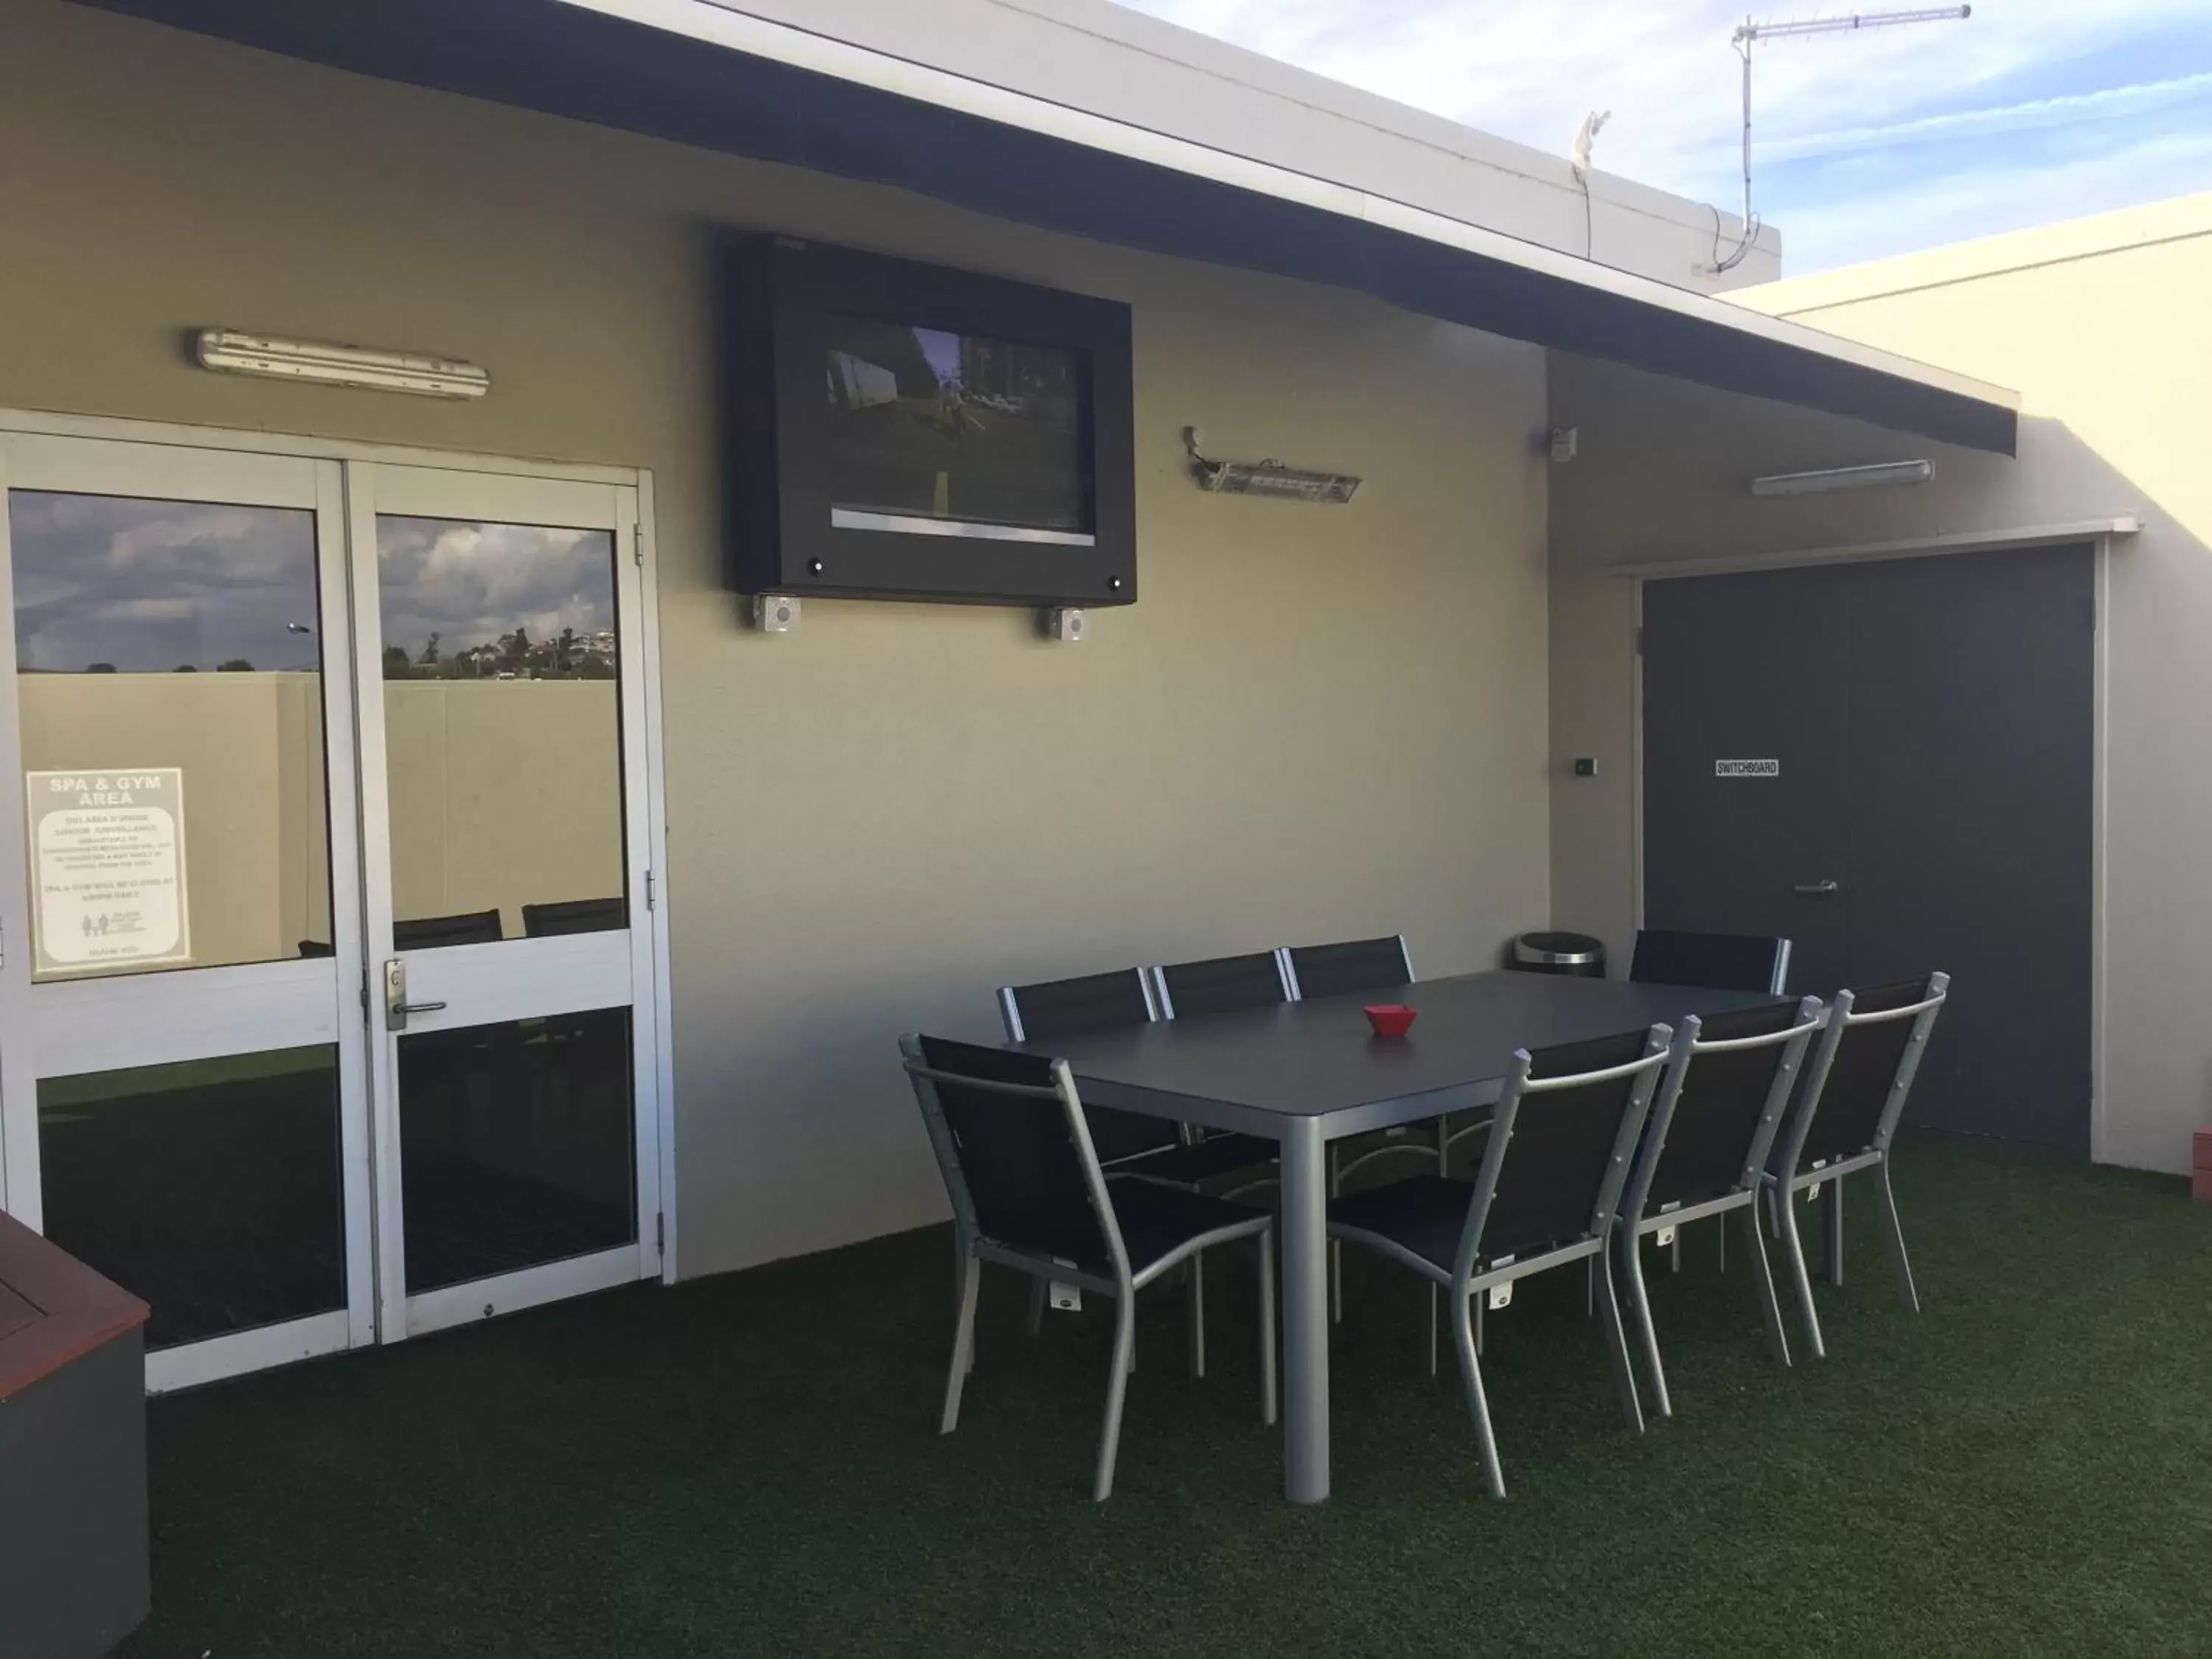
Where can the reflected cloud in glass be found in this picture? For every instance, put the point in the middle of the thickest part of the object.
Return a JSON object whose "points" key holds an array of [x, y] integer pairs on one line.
{"points": [[490, 601], [109, 584]]}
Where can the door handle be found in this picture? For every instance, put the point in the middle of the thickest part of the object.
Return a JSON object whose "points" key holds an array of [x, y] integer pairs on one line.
{"points": [[1814, 889], [396, 1005]]}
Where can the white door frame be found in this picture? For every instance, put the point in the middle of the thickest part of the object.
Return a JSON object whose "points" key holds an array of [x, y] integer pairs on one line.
{"points": [[516, 978], [65, 1028], [179, 448], [2102, 535]]}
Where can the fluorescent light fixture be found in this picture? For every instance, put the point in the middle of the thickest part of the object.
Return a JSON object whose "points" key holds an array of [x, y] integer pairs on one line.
{"points": [[1289, 483], [230, 352], [1844, 478]]}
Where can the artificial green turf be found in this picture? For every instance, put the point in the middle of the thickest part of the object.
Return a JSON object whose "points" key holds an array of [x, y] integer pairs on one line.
{"points": [[747, 1465]]}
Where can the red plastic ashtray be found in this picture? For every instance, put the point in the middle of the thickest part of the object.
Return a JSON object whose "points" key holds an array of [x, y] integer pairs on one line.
{"points": [[1390, 1019]]}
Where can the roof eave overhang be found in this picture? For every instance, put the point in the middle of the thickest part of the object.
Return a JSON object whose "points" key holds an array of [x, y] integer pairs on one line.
{"points": [[770, 91]]}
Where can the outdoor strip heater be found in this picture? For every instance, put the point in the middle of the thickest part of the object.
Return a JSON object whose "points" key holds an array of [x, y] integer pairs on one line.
{"points": [[1269, 477], [1882, 474]]}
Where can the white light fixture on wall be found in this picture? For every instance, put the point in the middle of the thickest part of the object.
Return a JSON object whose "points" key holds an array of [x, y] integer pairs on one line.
{"points": [[228, 351], [1290, 483], [1884, 474]]}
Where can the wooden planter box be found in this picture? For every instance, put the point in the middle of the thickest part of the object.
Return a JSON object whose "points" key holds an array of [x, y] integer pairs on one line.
{"points": [[73, 1543], [2200, 1184]]}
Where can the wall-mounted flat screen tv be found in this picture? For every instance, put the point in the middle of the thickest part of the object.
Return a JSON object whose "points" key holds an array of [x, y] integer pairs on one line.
{"points": [[907, 431]]}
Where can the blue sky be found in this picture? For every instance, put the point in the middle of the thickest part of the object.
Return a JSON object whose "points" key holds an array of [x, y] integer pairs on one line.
{"points": [[1863, 145]]}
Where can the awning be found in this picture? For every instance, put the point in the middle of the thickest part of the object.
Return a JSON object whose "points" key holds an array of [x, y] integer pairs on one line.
{"points": [[699, 73]]}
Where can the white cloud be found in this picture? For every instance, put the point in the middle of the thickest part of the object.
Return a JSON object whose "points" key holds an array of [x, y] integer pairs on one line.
{"points": [[2109, 104], [1530, 70]]}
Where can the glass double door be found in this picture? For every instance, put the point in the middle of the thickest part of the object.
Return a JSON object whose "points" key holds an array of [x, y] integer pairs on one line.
{"points": [[325, 953]]}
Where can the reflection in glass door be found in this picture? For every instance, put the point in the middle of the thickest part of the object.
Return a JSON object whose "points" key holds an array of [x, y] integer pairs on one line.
{"points": [[326, 975], [501, 713], [181, 919]]}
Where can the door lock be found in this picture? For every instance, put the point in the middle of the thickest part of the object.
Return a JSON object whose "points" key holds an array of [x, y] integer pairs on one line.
{"points": [[396, 1005], [1814, 889]]}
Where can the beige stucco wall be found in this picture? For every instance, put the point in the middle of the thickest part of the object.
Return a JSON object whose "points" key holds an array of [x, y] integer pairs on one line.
{"points": [[2106, 326], [1316, 722]]}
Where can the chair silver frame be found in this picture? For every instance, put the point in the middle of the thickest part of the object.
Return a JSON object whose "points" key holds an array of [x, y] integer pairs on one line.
{"points": [[973, 1248], [1635, 1225], [1471, 1275], [1828, 1173]]}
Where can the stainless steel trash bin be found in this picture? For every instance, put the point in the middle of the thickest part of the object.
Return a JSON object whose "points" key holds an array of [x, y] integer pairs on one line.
{"points": [[1577, 955]]}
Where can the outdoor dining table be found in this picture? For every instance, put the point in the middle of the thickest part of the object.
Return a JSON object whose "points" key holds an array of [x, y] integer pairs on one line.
{"points": [[1305, 1073]]}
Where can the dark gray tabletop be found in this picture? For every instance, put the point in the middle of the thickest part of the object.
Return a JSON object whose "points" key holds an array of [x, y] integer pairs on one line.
{"points": [[1317, 1058]]}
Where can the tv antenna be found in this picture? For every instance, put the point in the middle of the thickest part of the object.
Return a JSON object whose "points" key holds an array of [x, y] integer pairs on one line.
{"points": [[1750, 35]]}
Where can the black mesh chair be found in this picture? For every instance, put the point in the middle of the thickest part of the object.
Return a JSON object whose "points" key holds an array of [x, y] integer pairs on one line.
{"points": [[429, 932], [1013, 1143], [1360, 967], [1546, 1195], [1847, 1114], [1128, 1142], [1712, 1126], [1192, 990], [1221, 985], [1714, 961], [1351, 967], [598, 916]]}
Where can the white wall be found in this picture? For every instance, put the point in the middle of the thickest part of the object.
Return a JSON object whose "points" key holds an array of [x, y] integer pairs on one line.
{"points": [[2106, 326], [1317, 722]]}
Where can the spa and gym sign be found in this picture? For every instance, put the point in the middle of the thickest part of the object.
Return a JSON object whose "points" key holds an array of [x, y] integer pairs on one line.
{"points": [[109, 853]]}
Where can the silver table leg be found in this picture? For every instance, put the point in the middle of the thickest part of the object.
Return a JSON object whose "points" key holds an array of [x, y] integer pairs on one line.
{"points": [[1306, 1312]]}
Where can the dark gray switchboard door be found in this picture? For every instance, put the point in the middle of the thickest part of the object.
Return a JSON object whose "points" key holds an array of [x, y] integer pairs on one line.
{"points": [[1938, 714]]}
